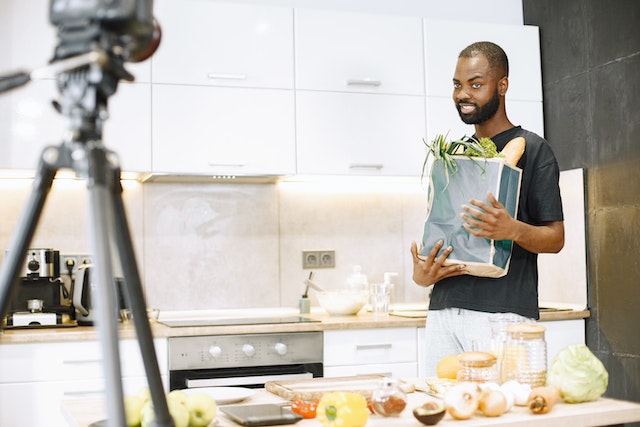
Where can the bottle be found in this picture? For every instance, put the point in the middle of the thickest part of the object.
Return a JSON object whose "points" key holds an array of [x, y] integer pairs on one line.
{"points": [[477, 366], [388, 400], [357, 281], [387, 282], [525, 357]]}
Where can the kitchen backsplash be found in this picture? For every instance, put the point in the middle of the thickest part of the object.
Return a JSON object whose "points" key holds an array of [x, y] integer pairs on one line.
{"points": [[203, 246], [238, 245]]}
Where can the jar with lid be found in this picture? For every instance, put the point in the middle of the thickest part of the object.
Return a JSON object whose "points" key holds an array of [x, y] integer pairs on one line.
{"points": [[477, 366], [525, 358], [388, 399]]}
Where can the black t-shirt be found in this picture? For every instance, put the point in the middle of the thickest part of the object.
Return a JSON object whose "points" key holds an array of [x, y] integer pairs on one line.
{"points": [[540, 202]]}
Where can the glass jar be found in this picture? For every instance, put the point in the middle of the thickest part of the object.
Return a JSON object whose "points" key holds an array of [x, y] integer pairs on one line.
{"points": [[477, 366], [499, 323], [388, 399], [525, 358]]}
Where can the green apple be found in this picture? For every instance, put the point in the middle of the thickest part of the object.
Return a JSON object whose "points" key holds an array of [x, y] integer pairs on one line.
{"points": [[178, 411], [178, 395], [202, 409], [133, 405], [145, 394]]}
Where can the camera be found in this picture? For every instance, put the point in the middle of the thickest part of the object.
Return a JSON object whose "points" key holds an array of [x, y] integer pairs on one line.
{"points": [[125, 28]]}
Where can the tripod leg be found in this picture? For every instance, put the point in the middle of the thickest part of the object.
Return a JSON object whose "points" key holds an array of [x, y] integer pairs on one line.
{"points": [[100, 222], [135, 300], [10, 271]]}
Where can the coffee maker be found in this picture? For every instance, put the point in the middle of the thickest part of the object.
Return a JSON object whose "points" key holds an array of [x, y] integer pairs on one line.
{"points": [[41, 298]]}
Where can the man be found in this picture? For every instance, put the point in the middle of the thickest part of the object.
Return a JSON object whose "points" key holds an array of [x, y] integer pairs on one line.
{"points": [[461, 305]]}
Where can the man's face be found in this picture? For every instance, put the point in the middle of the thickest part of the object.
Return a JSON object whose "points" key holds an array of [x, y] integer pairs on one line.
{"points": [[475, 90]]}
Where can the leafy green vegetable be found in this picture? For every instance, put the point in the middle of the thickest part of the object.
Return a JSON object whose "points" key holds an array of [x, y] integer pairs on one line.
{"points": [[488, 151], [442, 150], [578, 374]]}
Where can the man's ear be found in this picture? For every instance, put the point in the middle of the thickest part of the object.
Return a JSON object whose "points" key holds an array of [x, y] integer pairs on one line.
{"points": [[503, 85]]}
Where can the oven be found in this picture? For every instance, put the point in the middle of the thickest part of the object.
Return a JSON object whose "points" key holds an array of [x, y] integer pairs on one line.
{"points": [[243, 360]]}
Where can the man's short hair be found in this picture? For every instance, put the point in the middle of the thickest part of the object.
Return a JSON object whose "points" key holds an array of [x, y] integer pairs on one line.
{"points": [[495, 55]]}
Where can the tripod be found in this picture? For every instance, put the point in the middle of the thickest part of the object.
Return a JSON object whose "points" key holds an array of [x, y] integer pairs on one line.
{"points": [[85, 92]]}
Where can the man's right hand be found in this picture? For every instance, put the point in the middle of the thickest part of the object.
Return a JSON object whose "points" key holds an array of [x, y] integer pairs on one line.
{"points": [[429, 270]]}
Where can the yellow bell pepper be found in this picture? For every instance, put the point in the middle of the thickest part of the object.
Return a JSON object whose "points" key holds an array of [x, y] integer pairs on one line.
{"points": [[342, 409]]}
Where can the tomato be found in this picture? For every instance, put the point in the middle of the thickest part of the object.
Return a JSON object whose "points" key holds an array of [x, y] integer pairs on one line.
{"points": [[306, 408]]}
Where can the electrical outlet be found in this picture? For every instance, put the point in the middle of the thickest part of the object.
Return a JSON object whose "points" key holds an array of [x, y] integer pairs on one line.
{"points": [[318, 259]]}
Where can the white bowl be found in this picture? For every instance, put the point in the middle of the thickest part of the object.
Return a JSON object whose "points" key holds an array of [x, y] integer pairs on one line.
{"points": [[342, 303]]}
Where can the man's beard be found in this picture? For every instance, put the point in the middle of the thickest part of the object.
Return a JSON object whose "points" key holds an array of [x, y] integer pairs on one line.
{"points": [[482, 113]]}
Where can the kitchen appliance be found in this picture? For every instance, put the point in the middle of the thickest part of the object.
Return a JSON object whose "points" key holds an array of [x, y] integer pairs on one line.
{"points": [[40, 298], [246, 360], [42, 263], [84, 289]]}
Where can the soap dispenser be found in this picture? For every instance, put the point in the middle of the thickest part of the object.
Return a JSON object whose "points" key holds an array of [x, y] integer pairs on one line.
{"points": [[357, 281], [389, 284]]}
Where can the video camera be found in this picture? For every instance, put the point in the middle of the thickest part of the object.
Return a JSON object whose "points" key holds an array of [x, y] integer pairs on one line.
{"points": [[125, 28]]}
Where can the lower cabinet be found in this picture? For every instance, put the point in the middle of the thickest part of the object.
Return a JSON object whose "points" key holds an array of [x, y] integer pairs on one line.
{"points": [[387, 351], [36, 378]]}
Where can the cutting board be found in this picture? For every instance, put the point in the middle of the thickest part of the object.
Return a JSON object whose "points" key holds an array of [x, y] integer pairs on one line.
{"points": [[314, 388]]}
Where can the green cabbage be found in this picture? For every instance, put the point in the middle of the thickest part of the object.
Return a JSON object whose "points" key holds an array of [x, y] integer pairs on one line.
{"points": [[578, 374]]}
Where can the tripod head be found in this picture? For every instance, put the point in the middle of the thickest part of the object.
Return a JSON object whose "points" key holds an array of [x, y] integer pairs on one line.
{"points": [[123, 30], [95, 39]]}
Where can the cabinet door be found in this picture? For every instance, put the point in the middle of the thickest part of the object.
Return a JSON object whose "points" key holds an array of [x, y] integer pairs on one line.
{"points": [[444, 41], [211, 43], [359, 134], [370, 346], [223, 131], [358, 52], [128, 129]]}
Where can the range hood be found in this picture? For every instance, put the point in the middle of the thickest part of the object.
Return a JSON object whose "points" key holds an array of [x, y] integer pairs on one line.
{"points": [[209, 179]]}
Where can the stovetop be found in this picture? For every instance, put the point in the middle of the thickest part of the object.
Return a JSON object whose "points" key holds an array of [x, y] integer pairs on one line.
{"points": [[269, 320]]}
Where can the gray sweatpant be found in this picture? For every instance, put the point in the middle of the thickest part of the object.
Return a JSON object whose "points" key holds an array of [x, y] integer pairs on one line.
{"points": [[456, 330]]}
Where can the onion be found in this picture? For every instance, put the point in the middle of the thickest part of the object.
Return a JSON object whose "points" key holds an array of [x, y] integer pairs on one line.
{"points": [[520, 391], [462, 400], [493, 403]]}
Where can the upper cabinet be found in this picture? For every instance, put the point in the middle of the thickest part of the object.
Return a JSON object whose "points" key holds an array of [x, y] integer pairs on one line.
{"points": [[223, 44], [354, 52], [223, 131]]}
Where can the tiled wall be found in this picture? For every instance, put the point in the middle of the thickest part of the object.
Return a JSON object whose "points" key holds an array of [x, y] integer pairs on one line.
{"points": [[239, 245], [591, 63]]}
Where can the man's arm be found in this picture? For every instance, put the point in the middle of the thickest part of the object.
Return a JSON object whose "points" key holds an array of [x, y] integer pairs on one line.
{"points": [[494, 222]]}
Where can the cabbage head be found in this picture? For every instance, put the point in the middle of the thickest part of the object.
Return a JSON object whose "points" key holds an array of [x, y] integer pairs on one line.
{"points": [[578, 374]]}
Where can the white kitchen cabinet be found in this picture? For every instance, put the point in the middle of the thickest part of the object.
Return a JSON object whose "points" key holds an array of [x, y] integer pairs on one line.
{"points": [[224, 44], [35, 378], [358, 52], [387, 351], [359, 134], [223, 131], [128, 129]]}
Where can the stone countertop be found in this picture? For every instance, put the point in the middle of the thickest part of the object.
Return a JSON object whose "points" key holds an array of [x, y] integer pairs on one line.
{"points": [[324, 322], [604, 411]]}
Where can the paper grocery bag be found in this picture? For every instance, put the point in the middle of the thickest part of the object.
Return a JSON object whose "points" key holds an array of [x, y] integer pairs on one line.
{"points": [[449, 190]]}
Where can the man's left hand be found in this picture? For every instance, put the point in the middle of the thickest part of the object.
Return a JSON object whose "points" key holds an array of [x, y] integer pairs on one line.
{"points": [[491, 221]]}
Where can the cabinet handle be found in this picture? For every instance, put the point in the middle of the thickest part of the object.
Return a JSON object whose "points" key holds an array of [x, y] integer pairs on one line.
{"points": [[225, 76], [82, 362], [373, 346], [226, 165], [376, 166], [363, 82], [87, 393]]}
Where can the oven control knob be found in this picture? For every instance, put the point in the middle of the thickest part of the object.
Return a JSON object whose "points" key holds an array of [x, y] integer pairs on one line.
{"points": [[215, 351], [248, 350], [281, 348]]}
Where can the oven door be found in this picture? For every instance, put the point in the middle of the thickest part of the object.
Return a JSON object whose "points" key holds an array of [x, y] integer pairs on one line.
{"points": [[250, 377]]}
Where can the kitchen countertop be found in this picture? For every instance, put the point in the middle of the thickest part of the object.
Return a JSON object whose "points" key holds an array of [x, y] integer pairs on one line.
{"points": [[364, 320], [604, 411]]}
